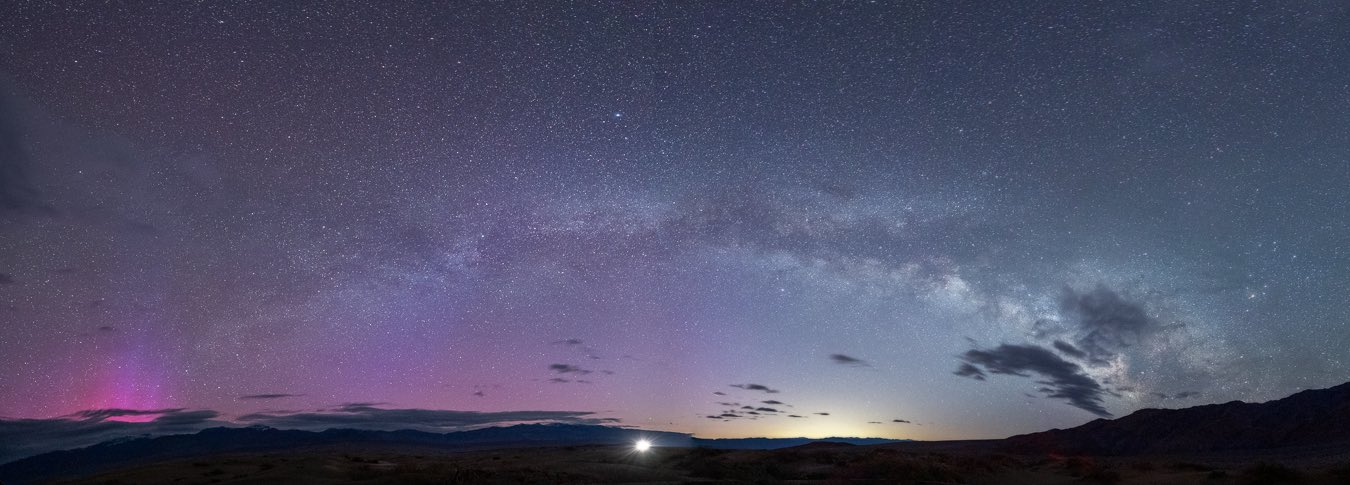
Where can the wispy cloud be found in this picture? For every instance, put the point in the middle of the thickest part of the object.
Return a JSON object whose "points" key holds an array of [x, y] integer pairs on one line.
{"points": [[756, 387], [26, 437], [567, 369], [361, 416], [842, 359], [253, 397], [1061, 379]]}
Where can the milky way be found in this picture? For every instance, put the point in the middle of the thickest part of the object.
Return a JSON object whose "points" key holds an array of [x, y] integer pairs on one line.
{"points": [[954, 219]]}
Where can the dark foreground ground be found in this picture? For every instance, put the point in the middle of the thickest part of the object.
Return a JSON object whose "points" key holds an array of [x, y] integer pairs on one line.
{"points": [[970, 463]]}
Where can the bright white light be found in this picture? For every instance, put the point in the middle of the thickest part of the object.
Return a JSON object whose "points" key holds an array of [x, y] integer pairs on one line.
{"points": [[642, 445]]}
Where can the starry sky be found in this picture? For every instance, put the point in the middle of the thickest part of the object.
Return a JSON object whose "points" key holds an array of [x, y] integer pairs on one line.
{"points": [[929, 220]]}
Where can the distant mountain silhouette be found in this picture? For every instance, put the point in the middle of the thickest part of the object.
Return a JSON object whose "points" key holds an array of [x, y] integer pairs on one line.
{"points": [[1308, 418], [132, 451], [822, 445], [776, 443]]}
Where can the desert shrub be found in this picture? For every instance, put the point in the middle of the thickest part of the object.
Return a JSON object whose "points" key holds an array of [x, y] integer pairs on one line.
{"points": [[1188, 466], [1270, 474], [902, 469], [833, 459], [1340, 474], [787, 456], [1102, 475], [1078, 466], [1144, 466], [986, 463]]}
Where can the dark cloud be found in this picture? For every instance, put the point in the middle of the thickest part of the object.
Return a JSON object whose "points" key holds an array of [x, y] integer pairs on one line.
{"points": [[268, 396], [1104, 323], [875, 422], [1179, 395], [1069, 350], [755, 387], [6, 279], [101, 414], [478, 394], [719, 393], [559, 380], [570, 341], [1062, 379], [359, 416], [822, 414], [772, 402], [358, 405], [567, 369], [105, 328], [795, 416], [730, 415], [848, 360], [187, 417], [899, 421], [767, 410], [967, 370], [27, 437]]}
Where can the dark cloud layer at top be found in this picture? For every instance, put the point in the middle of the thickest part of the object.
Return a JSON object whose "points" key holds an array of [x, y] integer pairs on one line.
{"points": [[1063, 379]]}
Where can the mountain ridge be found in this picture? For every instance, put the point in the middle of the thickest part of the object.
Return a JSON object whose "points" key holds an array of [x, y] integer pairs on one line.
{"points": [[1308, 417], [139, 450]]}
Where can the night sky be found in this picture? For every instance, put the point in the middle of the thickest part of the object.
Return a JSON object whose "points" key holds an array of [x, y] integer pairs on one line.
{"points": [[928, 220]]}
